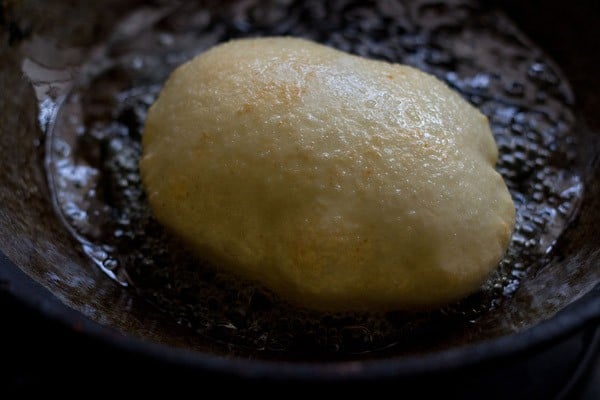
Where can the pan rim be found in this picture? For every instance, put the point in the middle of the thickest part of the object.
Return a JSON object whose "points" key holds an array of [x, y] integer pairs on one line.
{"points": [[575, 316]]}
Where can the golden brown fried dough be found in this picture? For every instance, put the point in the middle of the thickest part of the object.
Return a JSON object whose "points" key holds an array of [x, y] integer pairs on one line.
{"points": [[336, 181]]}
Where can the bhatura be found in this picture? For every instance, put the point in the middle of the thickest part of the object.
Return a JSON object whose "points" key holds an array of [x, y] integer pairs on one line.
{"points": [[338, 182]]}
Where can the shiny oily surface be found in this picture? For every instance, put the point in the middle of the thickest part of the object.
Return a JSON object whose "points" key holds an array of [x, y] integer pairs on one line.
{"points": [[338, 182], [93, 150]]}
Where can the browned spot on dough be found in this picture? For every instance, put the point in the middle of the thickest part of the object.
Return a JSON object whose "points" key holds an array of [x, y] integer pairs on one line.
{"points": [[290, 92], [204, 137], [204, 140], [287, 93], [245, 108], [179, 188]]}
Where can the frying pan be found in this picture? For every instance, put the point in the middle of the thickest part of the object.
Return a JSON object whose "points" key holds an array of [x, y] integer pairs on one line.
{"points": [[43, 266]]}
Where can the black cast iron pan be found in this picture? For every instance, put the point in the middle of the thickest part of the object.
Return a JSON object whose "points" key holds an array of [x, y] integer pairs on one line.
{"points": [[44, 266]]}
